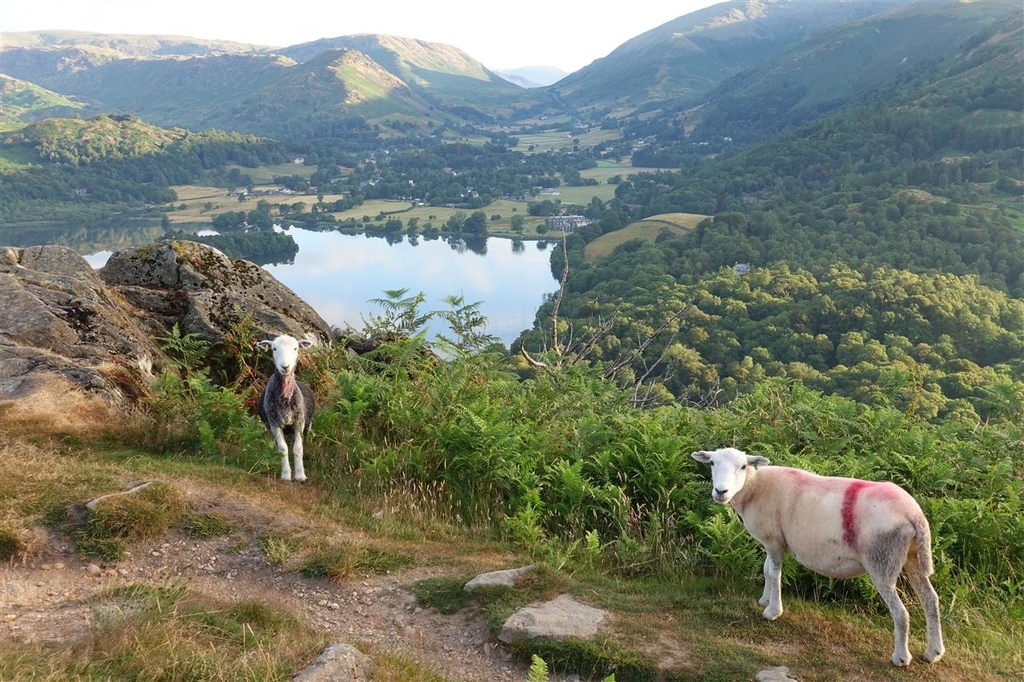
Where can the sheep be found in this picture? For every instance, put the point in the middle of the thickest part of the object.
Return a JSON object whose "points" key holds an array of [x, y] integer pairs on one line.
{"points": [[286, 403], [838, 527]]}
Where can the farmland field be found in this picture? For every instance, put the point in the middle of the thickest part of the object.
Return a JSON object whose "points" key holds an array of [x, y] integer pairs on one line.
{"points": [[647, 229]]}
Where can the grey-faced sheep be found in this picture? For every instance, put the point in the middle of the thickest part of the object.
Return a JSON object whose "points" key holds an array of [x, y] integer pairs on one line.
{"points": [[838, 527], [286, 405]]}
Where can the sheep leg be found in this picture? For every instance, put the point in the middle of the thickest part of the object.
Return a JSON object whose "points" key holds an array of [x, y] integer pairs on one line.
{"points": [[885, 583], [300, 473], [930, 603], [771, 598], [282, 448]]}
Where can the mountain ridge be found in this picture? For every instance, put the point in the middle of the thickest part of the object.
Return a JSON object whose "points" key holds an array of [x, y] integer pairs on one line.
{"points": [[667, 62], [738, 69]]}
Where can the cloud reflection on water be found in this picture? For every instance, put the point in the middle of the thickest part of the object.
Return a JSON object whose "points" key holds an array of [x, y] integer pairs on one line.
{"points": [[338, 274]]}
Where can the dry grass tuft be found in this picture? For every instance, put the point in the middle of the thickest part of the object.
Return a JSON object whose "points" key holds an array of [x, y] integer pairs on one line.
{"points": [[18, 543], [167, 632], [147, 514], [56, 408]]}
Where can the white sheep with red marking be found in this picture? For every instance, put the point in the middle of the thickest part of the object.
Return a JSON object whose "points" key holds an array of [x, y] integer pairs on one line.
{"points": [[287, 404], [838, 527]]}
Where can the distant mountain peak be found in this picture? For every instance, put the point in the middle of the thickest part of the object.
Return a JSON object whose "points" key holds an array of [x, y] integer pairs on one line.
{"points": [[532, 76]]}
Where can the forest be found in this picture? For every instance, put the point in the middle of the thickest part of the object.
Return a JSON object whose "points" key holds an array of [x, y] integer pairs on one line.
{"points": [[875, 254]]}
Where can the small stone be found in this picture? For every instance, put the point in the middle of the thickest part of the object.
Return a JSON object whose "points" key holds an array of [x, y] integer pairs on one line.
{"points": [[779, 674]]}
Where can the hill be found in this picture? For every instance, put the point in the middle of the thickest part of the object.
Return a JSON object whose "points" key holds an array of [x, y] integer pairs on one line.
{"points": [[26, 102], [204, 84], [424, 472], [736, 69], [648, 230], [533, 76], [129, 45], [676, 64], [960, 49]]}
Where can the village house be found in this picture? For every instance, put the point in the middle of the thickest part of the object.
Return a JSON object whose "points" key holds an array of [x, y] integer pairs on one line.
{"points": [[565, 223]]}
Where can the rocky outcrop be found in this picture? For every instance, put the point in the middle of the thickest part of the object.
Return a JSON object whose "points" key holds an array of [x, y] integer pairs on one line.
{"points": [[98, 329], [59, 318], [206, 293]]}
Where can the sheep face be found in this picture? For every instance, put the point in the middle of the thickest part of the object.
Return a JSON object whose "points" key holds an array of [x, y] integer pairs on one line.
{"points": [[286, 352], [729, 470]]}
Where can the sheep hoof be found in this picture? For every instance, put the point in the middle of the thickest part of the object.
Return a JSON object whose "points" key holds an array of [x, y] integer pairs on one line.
{"points": [[771, 615], [933, 655], [286, 477], [300, 479], [901, 660]]}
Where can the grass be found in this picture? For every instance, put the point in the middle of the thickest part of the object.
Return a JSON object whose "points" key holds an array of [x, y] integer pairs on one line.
{"points": [[344, 561], [557, 140], [127, 518], [676, 626], [647, 230], [12, 541], [198, 204], [168, 632], [208, 526]]}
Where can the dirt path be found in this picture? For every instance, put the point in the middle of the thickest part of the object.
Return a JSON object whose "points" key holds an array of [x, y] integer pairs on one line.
{"points": [[47, 599]]}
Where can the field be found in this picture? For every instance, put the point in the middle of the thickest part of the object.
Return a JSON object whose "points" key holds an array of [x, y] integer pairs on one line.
{"points": [[264, 175], [647, 229], [198, 204], [555, 140], [379, 210], [201, 204]]}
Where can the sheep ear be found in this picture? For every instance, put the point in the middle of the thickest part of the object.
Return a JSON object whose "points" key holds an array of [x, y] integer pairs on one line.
{"points": [[265, 345], [757, 461], [701, 456]]}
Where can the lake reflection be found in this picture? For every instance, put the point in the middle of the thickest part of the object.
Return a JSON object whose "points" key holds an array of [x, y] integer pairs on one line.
{"points": [[338, 274]]}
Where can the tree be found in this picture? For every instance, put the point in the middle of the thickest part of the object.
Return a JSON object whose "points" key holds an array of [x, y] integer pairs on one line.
{"points": [[455, 221], [476, 223]]}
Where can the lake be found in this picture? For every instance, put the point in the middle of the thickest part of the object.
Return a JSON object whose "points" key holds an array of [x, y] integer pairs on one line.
{"points": [[339, 273]]}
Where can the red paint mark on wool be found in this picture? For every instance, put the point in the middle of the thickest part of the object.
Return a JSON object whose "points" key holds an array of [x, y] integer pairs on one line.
{"points": [[849, 502], [287, 386]]}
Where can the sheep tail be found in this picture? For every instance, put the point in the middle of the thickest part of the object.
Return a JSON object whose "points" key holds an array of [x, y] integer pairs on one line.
{"points": [[923, 535]]}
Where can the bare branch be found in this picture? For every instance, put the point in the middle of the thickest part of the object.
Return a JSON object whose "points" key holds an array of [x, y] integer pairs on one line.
{"points": [[603, 329], [529, 359], [628, 358], [558, 297]]}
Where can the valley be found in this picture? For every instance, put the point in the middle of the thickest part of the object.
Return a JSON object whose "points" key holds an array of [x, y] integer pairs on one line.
{"points": [[794, 228]]}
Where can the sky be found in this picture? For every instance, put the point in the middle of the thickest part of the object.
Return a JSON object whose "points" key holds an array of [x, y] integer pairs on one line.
{"points": [[569, 35]]}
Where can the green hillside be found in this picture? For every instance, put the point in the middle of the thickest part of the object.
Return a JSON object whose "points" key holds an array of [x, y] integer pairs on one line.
{"points": [[647, 230], [679, 63], [963, 48], [24, 102], [861, 162]]}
